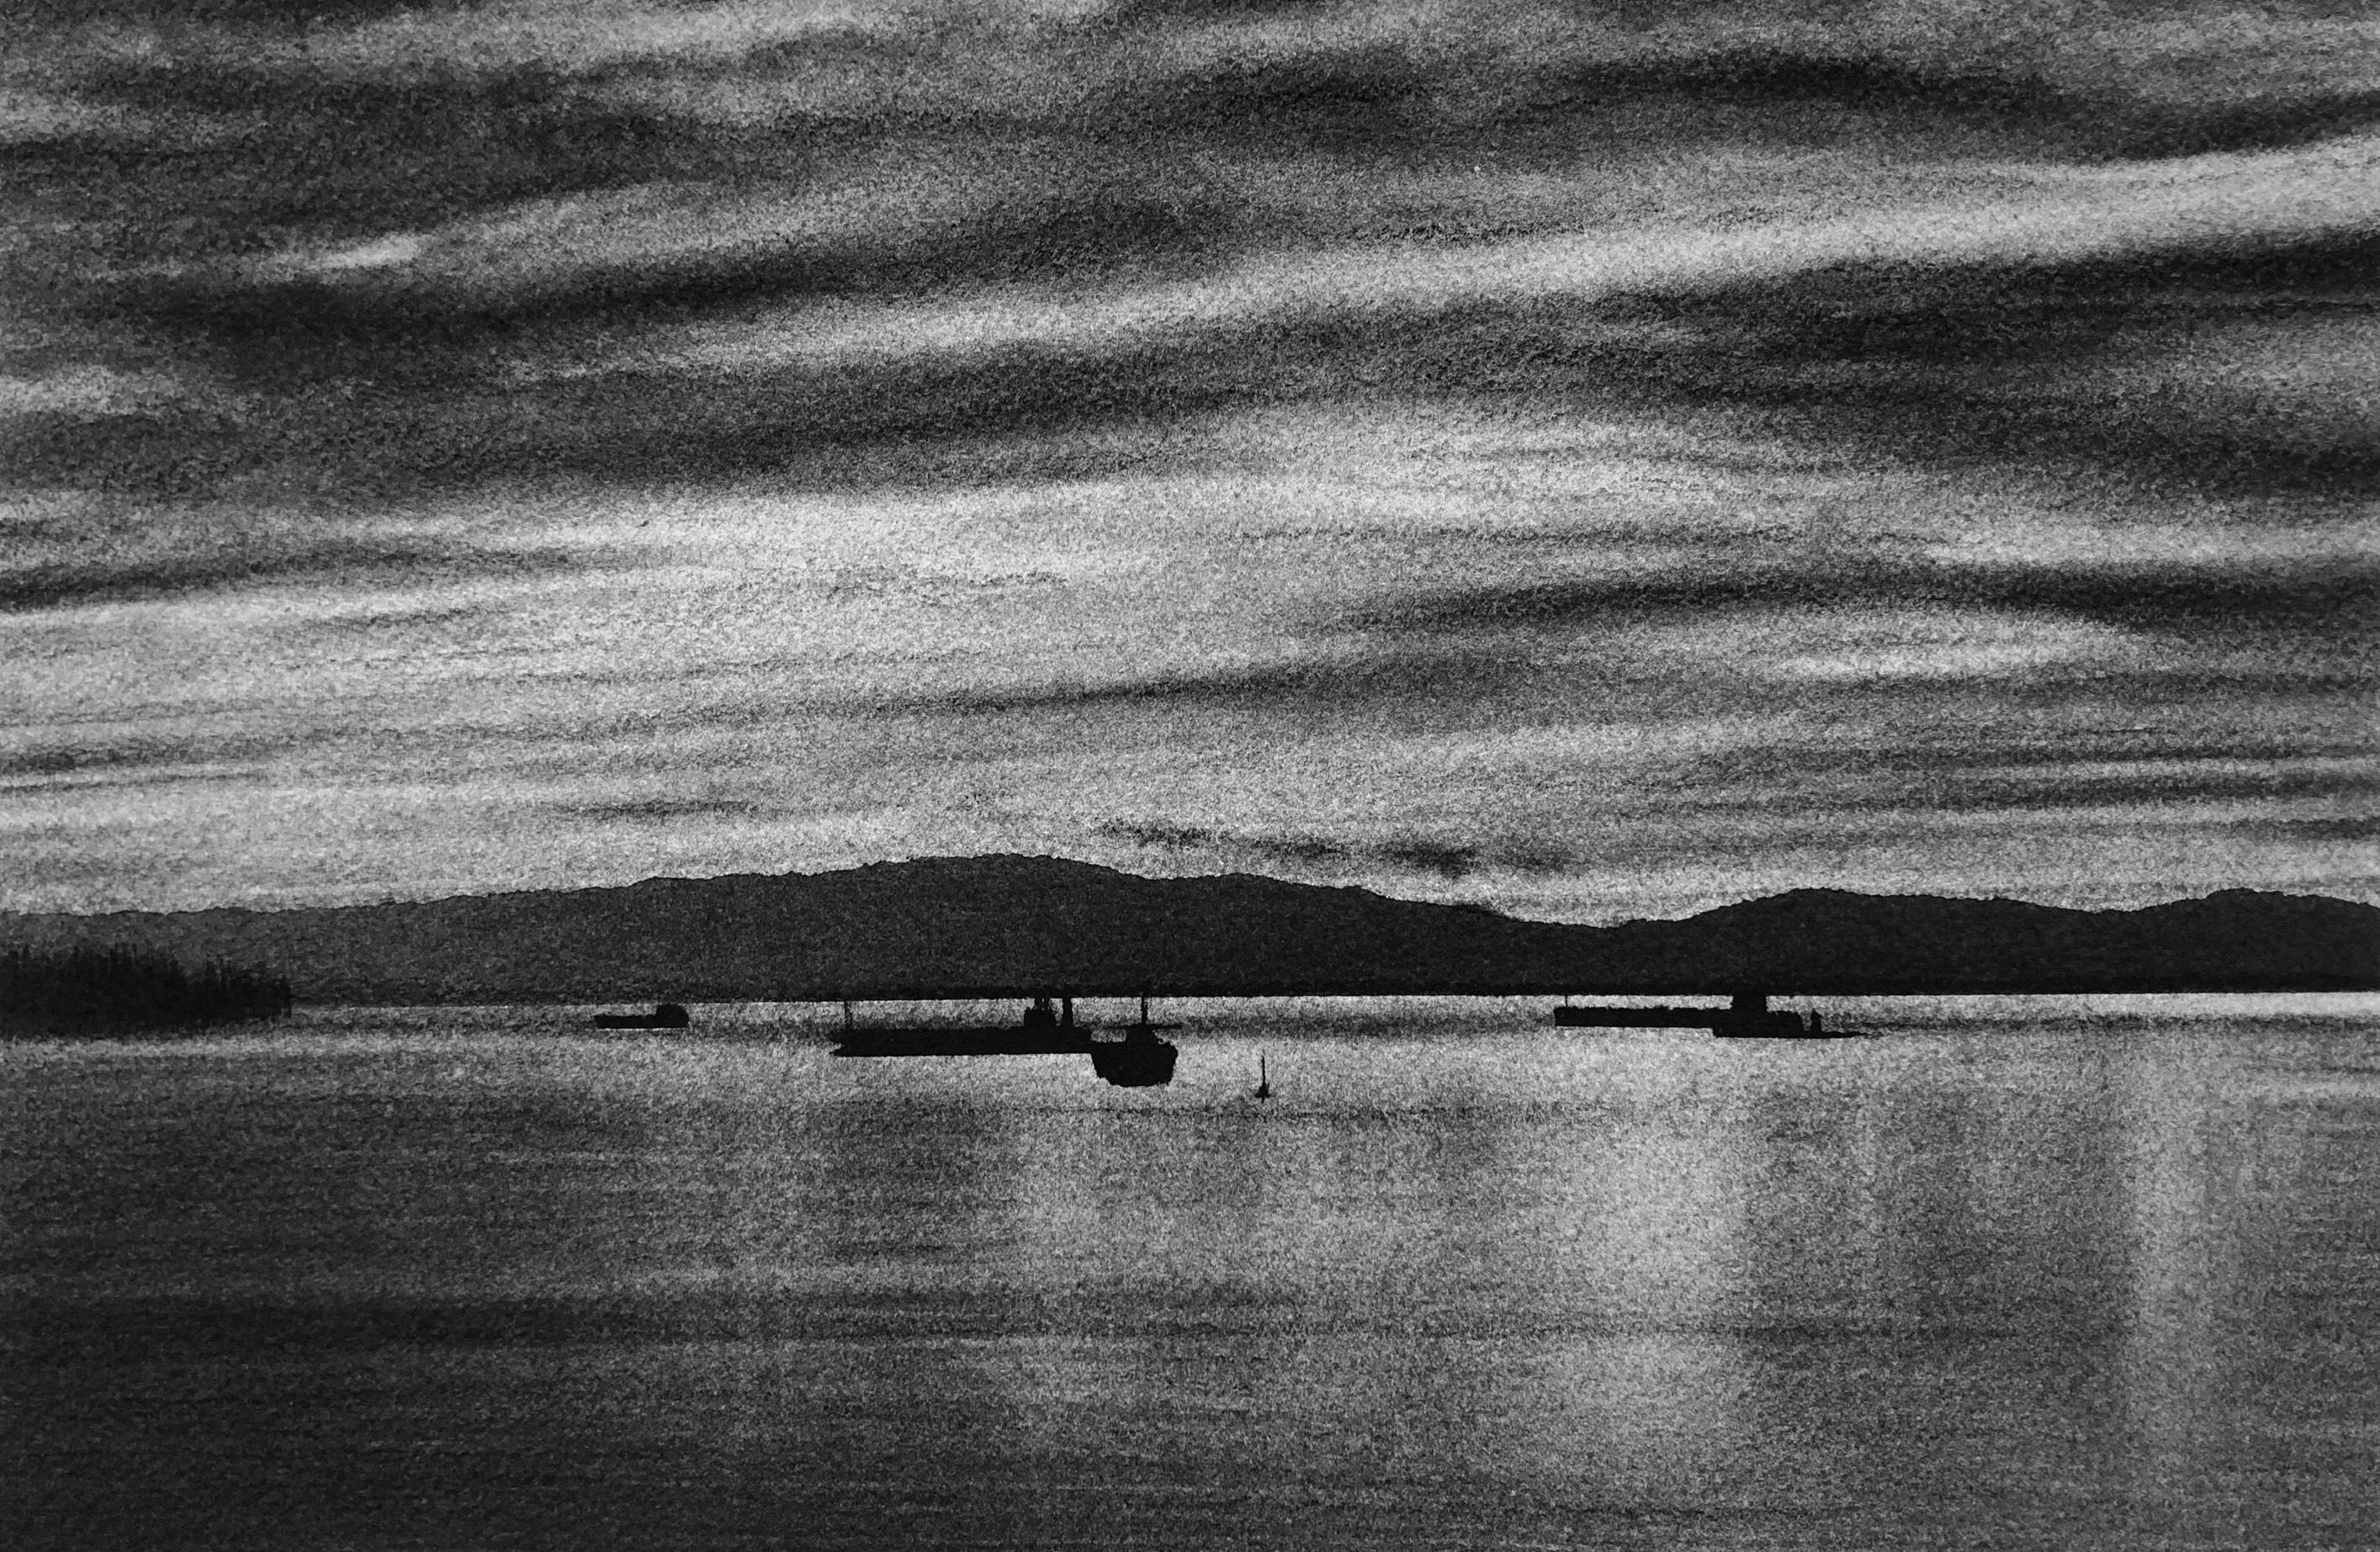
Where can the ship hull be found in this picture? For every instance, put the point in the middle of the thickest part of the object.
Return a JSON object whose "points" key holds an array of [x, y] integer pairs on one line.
{"points": [[960, 1040], [1792, 1031], [1639, 1018], [1135, 1062], [1727, 1023], [668, 1015]]}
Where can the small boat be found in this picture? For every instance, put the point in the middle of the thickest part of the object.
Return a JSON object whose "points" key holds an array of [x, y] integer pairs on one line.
{"points": [[1139, 1059], [665, 1015], [1264, 1082]]}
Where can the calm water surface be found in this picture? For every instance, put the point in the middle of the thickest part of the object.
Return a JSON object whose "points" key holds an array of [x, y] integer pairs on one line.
{"points": [[2018, 1274]]}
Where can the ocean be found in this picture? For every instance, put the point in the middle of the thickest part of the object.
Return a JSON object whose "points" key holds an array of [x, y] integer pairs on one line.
{"points": [[2022, 1272]]}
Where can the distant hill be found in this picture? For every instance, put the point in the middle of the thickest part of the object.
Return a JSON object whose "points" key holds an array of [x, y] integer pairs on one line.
{"points": [[1004, 925]]}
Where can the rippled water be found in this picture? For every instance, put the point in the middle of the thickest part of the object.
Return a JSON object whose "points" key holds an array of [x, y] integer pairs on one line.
{"points": [[2019, 1274]]}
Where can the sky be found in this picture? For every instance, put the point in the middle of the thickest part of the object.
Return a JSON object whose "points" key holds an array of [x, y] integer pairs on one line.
{"points": [[1590, 460]]}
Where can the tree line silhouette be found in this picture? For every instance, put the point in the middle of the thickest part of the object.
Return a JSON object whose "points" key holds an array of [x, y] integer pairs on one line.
{"points": [[125, 990]]}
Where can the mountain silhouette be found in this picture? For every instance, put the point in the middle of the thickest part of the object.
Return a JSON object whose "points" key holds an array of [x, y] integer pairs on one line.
{"points": [[1008, 926]]}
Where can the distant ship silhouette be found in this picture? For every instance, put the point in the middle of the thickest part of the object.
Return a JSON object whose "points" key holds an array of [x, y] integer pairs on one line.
{"points": [[1746, 1017], [1136, 1060], [665, 1015]]}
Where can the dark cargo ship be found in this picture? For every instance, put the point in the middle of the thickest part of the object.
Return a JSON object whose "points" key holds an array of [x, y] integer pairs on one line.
{"points": [[1136, 1059], [665, 1015], [1747, 1016]]}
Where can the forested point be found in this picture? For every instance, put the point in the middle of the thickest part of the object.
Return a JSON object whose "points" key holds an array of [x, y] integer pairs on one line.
{"points": [[125, 991]]}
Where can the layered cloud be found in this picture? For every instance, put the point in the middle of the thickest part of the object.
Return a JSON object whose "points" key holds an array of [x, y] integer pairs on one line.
{"points": [[1575, 458]]}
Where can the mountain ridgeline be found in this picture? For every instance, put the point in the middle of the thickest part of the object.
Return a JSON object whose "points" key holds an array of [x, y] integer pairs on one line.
{"points": [[1007, 926]]}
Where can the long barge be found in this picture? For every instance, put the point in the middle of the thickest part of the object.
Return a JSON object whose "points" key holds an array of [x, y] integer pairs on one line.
{"points": [[1132, 1057], [1748, 1016]]}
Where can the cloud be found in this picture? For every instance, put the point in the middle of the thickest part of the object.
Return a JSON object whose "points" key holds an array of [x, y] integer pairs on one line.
{"points": [[1406, 853], [923, 219], [547, 264], [659, 809], [1311, 681], [201, 555], [1783, 92], [2214, 779], [59, 757], [88, 391], [1860, 420], [2328, 597], [1948, 359]]}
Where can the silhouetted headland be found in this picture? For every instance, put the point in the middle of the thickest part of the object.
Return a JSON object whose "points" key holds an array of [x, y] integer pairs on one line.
{"points": [[81, 991], [1015, 927]]}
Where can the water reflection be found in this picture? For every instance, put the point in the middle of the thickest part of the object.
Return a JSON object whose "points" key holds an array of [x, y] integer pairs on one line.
{"points": [[1460, 1281]]}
